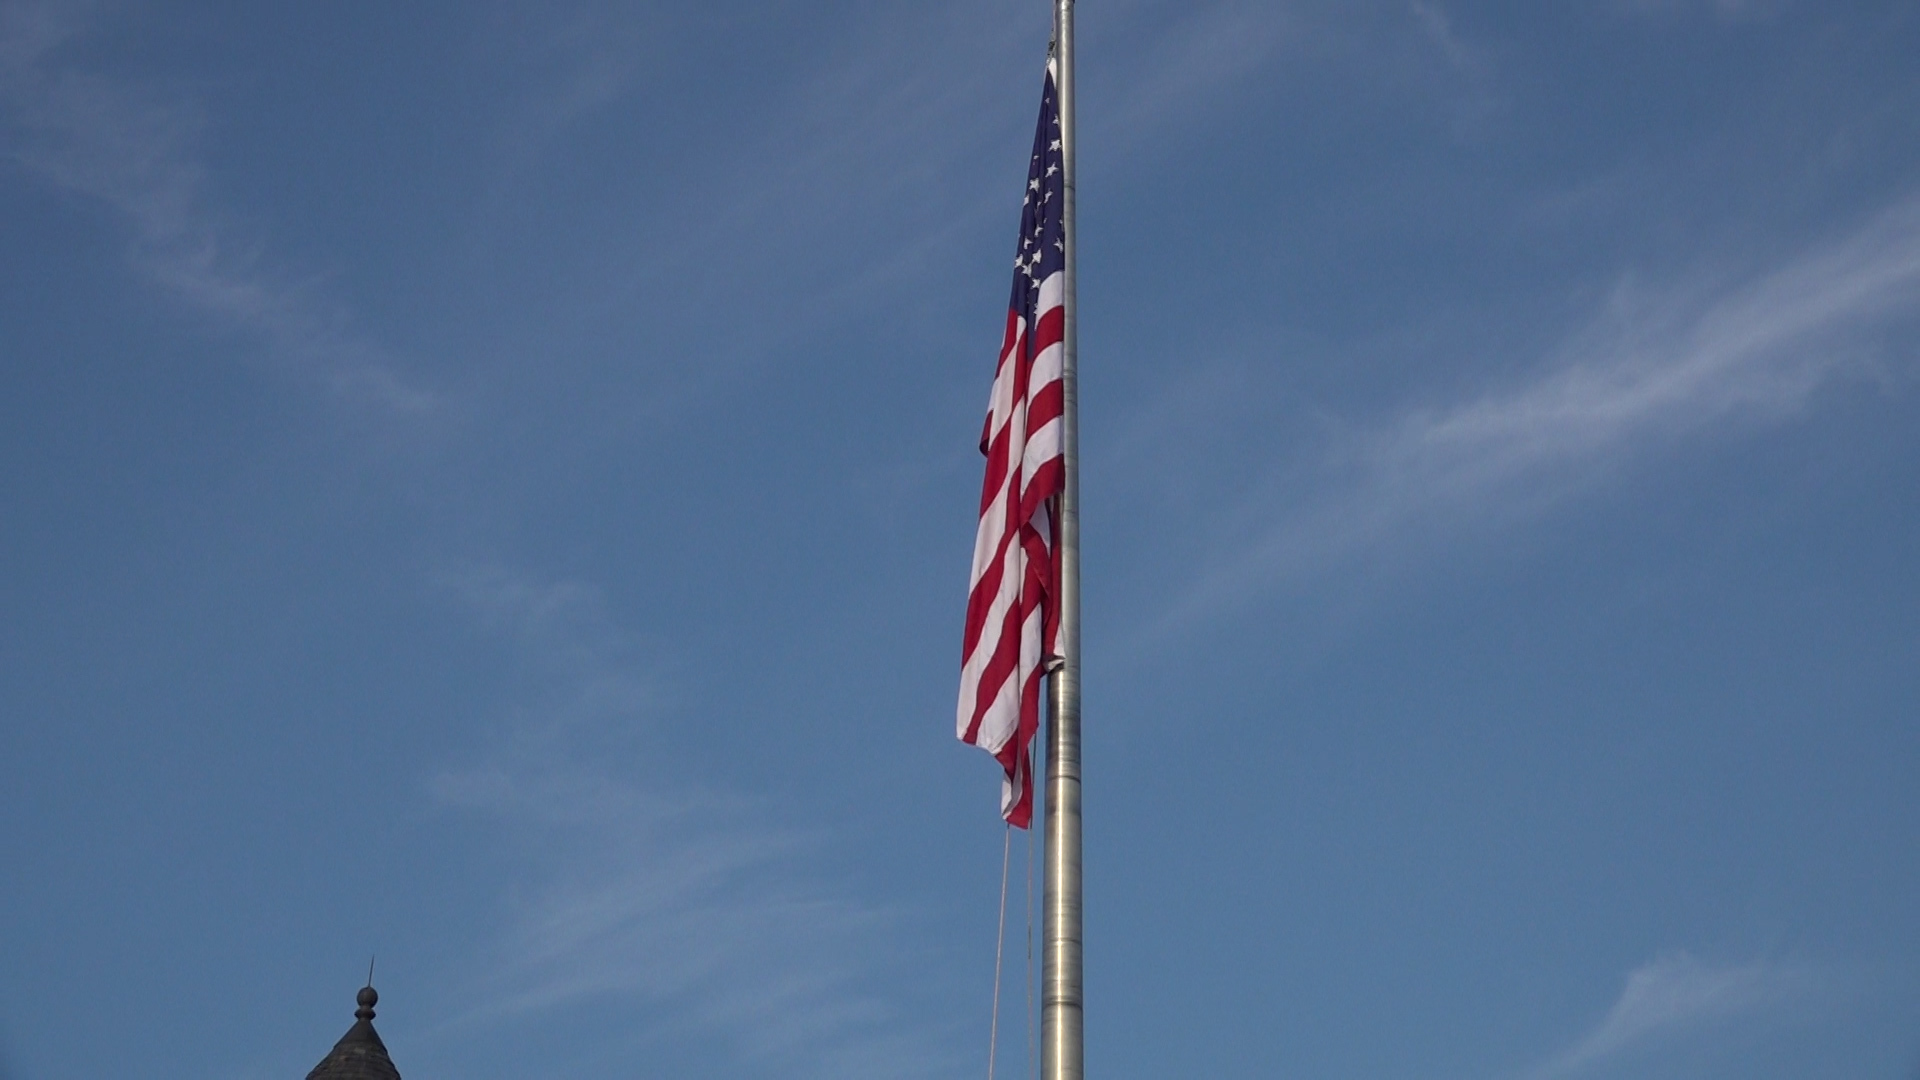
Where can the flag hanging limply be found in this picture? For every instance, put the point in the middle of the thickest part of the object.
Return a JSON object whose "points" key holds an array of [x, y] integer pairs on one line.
{"points": [[1011, 617]]}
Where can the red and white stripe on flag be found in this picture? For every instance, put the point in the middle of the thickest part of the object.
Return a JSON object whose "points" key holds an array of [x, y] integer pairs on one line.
{"points": [[1011, 618]]}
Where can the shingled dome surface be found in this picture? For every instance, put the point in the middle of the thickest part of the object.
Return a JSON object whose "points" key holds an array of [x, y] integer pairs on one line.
{"points": [[359, 1055]]}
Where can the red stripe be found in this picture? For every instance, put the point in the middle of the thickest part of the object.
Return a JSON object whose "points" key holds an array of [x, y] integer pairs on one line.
{"points": [[1015, 756], [1008, 342], [1046, 484], [1000, 457], [999, 666], [1052, 329], [1046, 405], [980, 600]]}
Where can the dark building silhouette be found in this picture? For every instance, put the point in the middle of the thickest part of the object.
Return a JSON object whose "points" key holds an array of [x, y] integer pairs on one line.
{"points": [[359, 1055]]}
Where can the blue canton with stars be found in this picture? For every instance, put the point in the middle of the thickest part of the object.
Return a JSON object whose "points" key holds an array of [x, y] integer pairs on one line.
{"points": [[1043, 237]]}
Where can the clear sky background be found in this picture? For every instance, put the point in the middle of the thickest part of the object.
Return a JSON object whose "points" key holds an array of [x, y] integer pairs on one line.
{"points": [[492, 485]]}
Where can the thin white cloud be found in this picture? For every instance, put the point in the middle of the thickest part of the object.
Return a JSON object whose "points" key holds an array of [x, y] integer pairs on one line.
{"points": [[1725, 10], [1186, 66], [132, 150], [1470, 90], [1433, 19], [1646, 373], [692, 904], [1675, 995], [575, 62]]}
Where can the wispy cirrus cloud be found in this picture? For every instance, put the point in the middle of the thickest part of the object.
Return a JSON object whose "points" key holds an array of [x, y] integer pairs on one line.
{"points": [[1725, 10], [1438, 26], [1650, 370], [1675, 995], [1471, 93], [1188, 63], [689, 904], [131, 149]]}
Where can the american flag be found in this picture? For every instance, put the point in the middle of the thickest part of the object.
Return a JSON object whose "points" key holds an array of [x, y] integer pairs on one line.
{"points": [[1011, 618]]}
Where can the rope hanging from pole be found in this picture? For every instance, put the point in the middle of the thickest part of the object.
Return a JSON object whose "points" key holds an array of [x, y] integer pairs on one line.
{"points": [[1033, 1018], [999, 949]]}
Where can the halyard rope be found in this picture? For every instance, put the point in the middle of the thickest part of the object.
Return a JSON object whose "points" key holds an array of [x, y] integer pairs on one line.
{"points": [[1033, 1023], [999, 948]]}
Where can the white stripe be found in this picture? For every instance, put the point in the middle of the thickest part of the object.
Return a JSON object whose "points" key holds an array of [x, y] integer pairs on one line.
{"points": [[1005, 599], [1042, 448], [1013, 421], [1000, 405], [1046, 369], [1053, 292], [986, 538], [1002, 719]]}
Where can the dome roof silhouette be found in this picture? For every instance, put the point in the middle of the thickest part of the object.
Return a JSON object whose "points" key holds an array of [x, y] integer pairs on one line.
{"points": [[359, 1055]]}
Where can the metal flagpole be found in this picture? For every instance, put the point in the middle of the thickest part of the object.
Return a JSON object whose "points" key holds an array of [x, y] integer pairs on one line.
{"points": [[1062, 1039]]}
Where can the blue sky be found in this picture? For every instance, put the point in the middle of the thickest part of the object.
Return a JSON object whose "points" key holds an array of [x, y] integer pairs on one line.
{"points": [[491, 485]]}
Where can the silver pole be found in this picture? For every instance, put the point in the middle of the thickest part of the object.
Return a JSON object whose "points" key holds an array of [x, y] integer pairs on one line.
{"points": [[1062, 1038]]}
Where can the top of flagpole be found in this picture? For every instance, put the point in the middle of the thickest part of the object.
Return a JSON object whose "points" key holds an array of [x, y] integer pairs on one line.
{"points": [[1063, 1044]]}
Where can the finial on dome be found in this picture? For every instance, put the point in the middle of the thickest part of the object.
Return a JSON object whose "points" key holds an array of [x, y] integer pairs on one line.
{"points": [[359, 1055]]}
